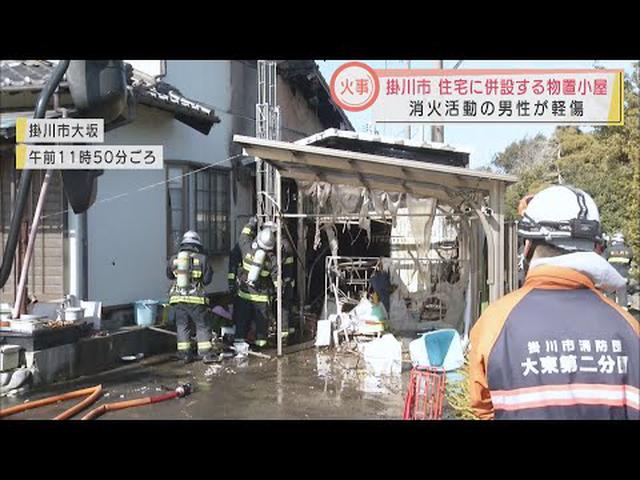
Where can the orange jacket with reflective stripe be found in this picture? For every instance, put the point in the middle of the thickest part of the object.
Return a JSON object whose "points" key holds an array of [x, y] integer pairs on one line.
{"points": [[557, 348]]}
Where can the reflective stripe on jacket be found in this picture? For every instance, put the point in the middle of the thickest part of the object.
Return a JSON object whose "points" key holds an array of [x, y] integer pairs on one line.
{"points": [[254, 297], [557, 348], [197, 300]]}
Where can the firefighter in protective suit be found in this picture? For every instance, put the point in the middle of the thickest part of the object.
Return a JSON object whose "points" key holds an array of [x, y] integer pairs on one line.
{"points": [[190, 272], [288, 286], [619, 256], [256, 284], [247, 237], [557, 348]]}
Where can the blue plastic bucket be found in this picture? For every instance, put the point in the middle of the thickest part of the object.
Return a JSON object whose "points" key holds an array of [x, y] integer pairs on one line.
{"points": [[146, 311]]}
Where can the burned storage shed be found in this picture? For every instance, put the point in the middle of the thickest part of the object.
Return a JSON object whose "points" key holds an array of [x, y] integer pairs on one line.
{"points": [[433, 231]]}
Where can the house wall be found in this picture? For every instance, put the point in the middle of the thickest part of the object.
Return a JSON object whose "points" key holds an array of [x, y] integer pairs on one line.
{"points": [[127, 236], [298, 118], [45, 280]]}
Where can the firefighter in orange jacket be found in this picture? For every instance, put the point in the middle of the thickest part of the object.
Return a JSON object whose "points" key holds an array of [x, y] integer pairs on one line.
{"points": [[558, 348]]}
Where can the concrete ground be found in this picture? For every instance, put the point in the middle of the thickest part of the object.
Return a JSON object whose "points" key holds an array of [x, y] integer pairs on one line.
{"points": [[311, 384]]}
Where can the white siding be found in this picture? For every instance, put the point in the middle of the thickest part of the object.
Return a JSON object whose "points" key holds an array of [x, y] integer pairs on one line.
{"points": [[131, 231], [127, 235]]}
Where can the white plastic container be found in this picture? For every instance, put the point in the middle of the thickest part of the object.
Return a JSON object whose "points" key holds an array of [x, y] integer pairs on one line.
{"points": [[323, 333], [383, 356], [9, 357], [26, 323], [427, 351], [73, 314]]}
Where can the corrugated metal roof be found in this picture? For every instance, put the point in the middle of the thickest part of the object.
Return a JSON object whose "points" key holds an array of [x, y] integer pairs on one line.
{"points": [[370, 137], [421, 179], [375, 144]]}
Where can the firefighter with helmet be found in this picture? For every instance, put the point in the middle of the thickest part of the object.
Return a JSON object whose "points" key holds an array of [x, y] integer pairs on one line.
{"points": [[246, 239], [190, 272], [256, 282], [288, 287], [619, 255], [558, 348]]}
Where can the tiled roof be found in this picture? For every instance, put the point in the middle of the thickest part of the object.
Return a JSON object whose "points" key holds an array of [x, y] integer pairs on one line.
{"points": [[31, 75], [25, 74]]}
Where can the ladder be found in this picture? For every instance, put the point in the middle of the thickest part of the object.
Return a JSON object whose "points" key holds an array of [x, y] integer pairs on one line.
{"points": [[268, 128], [267, 177]]}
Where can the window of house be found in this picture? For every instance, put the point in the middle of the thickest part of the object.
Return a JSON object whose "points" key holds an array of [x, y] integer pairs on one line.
{"points": [[212, 210], [198, 202]]}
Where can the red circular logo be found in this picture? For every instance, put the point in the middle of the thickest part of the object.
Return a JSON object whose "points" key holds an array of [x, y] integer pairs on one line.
{"points": [[354, 86]]}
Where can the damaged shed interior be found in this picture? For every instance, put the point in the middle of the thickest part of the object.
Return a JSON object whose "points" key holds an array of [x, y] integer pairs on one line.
{"points": [[403, 220]]}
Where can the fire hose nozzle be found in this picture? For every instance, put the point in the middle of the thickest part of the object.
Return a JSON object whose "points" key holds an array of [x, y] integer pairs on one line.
{"points": [[184, 390]]}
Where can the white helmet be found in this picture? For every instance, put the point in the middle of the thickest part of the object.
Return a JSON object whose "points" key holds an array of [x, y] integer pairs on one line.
{"points": [[562, 216], [618, 238], [266, 239], [191, 238]]}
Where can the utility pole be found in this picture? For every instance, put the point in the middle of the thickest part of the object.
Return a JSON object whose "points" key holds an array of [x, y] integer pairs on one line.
{"points": [[437, 131]]}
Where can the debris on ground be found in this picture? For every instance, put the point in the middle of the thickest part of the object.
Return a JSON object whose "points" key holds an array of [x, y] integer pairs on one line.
{"points": [[14, 381], [383, 355], [458, 395], [133, 358], [213, 370]]}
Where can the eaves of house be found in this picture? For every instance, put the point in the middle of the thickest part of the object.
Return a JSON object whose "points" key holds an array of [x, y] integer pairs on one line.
{"points": [[22, 80], [305, 77]]}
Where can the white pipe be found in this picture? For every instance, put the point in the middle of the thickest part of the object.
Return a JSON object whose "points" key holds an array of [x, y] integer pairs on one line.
{"points": [[76, 257], [32, 237]]}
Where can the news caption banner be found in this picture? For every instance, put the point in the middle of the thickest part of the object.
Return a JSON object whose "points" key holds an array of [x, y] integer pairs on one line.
{"points": [[573, 97], [77, 144]]}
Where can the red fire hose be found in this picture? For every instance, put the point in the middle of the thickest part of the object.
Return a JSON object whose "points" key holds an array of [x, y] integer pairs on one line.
{"points": [[92, 394], [181, 391]]}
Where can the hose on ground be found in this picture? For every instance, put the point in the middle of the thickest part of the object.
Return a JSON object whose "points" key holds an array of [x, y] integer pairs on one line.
{"points": [[181, 391], [92, 394]]}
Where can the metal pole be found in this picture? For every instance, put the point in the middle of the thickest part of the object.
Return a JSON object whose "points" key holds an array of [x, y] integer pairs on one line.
{"points": [[32, 237], [279, 261], [302, 260]]}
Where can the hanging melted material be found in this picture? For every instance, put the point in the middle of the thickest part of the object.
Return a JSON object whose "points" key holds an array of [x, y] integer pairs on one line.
{"points": [[430, 287]]}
